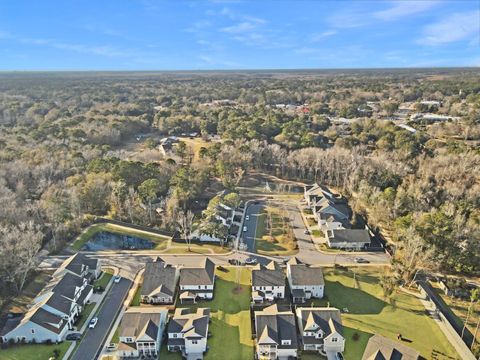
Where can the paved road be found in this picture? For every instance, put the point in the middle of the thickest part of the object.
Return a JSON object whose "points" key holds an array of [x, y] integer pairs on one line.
{"points": [[253, 211], [93, 340]]}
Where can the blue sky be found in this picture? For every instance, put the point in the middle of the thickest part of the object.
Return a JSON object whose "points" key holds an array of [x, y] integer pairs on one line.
{"points": [[229, 34]]}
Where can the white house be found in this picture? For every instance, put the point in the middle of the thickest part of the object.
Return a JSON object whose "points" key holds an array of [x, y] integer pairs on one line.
{"points": [[305, 282], [275, 334], [140, 332], [321, 330], [197, 283], [268, 283], [80, 265], [188, 332], [159, 283], [354, 239]]}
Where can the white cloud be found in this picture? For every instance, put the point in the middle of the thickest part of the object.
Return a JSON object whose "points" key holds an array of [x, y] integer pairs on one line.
{"points": [[455, 27], [239, 28], [323, 35], [404, 8]]}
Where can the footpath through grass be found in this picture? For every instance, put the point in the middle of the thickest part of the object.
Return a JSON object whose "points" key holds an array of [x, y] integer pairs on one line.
{"points": [[161, 241], [34, 351], [369, 314]]}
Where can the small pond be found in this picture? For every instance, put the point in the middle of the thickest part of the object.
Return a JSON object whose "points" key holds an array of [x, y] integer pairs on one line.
{"points": [[110, 241]]}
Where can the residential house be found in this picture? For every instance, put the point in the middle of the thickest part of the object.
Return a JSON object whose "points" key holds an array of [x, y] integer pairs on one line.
{"points": [[167, 144], [188, 332], [331, 222], [305, 282], [321, 330], [159, 283], [140, 332], [313, 193], [268, 282], [275, 334], [81, 265], [382, 348], [355, 239], [55, 309], [197, 282]]}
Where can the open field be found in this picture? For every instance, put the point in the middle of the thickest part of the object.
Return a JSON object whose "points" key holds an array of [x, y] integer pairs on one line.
{"points": [[34, 351], [161, 241], [274, 235], [368, 313], [195, 144]]}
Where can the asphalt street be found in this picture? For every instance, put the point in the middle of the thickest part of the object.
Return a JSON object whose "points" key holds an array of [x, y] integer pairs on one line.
{"points": [[253, 211], [93, 340]]}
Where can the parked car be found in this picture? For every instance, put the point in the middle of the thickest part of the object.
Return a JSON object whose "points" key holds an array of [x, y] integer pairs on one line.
{"points": [[74, 336], [117, 278], [244, 229], [247, 217], [111, 347], [306, 232], [93, 323], [251, 261], [361, 260]]}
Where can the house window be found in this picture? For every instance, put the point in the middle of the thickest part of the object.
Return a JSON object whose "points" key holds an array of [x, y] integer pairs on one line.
{"points": [[286, 342], [33, 331], [334, 339], [174, 335], [194, 342]]}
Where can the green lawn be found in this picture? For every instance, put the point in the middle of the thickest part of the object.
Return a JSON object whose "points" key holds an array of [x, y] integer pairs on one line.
{"points": [[281, 244], [161, 241], [84, 316], [33, 351], [230, 326], [136, 297], [104, 279], [199, 248], [316, 232], [369, 313]]}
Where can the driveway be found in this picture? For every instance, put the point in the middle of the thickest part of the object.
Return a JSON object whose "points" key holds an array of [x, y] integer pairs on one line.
{"points": [[93, 340]]}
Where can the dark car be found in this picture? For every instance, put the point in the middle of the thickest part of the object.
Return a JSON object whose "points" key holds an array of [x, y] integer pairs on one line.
{"points": [[361, 260], [74, 336]]}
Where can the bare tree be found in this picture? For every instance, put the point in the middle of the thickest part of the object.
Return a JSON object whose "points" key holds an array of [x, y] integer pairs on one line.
{"points": [[184, 221], [19, 246]]}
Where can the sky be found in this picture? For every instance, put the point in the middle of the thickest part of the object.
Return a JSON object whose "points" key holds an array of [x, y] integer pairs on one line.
{"points": [[234, 34]]}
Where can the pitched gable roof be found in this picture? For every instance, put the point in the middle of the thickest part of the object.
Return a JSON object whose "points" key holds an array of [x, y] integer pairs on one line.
{"points": [[327, 319], [159, 279], [380, 347], [272, 326], [204, 275], [302, 274], [270, 275]]}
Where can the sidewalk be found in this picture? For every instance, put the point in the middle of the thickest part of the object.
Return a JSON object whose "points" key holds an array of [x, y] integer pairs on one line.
{"points": [[90, 316]]}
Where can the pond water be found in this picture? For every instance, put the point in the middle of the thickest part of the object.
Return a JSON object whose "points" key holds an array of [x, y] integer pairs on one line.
{"points": [[109, 241]]}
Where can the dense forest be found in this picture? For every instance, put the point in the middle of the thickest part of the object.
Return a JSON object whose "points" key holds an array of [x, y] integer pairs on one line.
{"points": [[78, 145]]}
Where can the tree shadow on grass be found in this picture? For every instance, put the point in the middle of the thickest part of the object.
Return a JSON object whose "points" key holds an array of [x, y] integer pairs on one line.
{"points": [[355, 300]]}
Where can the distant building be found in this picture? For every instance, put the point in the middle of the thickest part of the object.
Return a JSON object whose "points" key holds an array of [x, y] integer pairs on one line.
{"points": [[355, 239]]}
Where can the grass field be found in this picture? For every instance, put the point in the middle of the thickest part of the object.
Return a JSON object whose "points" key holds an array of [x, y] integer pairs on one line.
{"points": [[368, 314], [230, 326], [161, 241], [281, 241], [196, 144], [104, 279], [182, 248], [136, 297], [34, 351]]}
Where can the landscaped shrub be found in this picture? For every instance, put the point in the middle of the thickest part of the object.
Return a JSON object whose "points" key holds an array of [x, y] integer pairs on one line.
{"points": [[355, 336]]}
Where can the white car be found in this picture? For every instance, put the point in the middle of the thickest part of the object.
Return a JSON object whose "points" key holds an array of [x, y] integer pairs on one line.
{"points": [[247, 217], [93, 323], [244, 229], [117, 278]]}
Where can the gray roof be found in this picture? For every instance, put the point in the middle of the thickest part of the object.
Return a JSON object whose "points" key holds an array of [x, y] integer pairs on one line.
{"points": [[273, 325], [59, 302], [327, 319], [77, 262], [350, 236], [303, 274], [139, 324], [159, 279], [268, 276], [45, 319], [204, 275], [191, 324], [68, 284], [382, 348]]}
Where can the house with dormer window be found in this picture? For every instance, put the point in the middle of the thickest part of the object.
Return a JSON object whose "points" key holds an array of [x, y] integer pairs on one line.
{"points": [[321, 330], [275, 334], [140, 332], [188, 332]]}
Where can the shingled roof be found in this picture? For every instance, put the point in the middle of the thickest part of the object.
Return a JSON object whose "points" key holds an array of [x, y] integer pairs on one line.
{"points": [[270, 275], [272, 326], [382, 348], [203, 275], [159, 279]]}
